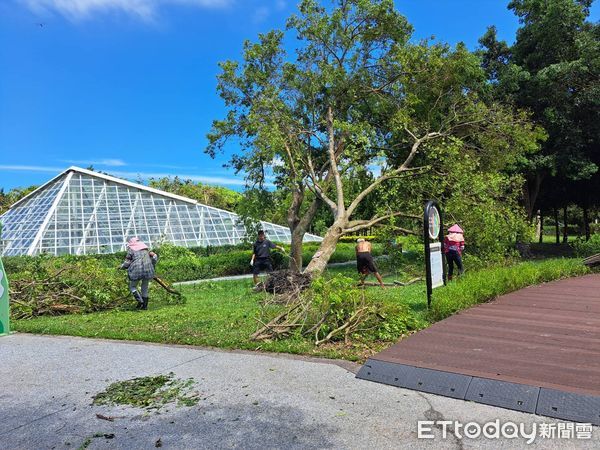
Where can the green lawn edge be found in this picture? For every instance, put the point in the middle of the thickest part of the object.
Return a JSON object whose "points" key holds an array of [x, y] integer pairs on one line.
{"points": [[223, 314]]}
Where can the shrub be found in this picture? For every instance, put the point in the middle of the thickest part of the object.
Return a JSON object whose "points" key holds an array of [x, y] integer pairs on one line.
{"points": [[339, 300], [587, 248], [184, 264], [351, 239], [335, 309]]}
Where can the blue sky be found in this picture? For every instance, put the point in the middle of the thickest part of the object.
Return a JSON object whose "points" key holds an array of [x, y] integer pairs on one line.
{"points": [[128, 86]]}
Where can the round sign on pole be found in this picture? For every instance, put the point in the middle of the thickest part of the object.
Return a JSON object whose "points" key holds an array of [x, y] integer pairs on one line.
{"points": [[434, 222]]}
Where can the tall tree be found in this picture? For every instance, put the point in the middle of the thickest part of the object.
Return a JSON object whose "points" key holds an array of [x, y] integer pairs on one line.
{"points": [[357, 94], [553, 70], [273, 113]]}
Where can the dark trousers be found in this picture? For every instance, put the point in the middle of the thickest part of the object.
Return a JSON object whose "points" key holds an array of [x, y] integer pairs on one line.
{"points": [[454, 257]]}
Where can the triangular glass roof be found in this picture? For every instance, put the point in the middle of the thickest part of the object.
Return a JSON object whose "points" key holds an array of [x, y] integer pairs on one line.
{"points": [[84, 212]]}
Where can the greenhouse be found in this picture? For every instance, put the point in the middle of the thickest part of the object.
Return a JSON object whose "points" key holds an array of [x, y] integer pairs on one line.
{"points": [[84, 212]]}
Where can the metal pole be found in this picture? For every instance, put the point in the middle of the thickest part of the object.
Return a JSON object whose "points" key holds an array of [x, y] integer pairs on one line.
{"points": [[428, 206], [4, 306], [441, 238]]}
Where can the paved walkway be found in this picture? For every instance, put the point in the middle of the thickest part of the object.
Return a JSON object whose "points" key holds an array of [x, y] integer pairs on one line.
{"points": [[249, 401], [249, 275]]}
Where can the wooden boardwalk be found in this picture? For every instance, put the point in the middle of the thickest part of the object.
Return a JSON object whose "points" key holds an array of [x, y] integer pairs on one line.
{"points": [[535, 350]]}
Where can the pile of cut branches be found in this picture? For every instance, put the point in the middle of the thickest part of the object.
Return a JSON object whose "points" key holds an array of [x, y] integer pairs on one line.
{"points": [[333, 309], [53, 289], [53, 286]]}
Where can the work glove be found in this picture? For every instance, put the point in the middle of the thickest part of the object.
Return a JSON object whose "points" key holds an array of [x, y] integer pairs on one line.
{"points": [[251, 263]]}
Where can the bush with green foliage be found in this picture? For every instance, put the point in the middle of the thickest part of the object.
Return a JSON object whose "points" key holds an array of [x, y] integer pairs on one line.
{"points": [[177, 264], [585, 248], [383, 320], [351, 239], [335, 309]]}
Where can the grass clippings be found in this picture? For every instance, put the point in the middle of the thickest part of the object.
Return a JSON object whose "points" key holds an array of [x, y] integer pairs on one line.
{"points": [[149, 392], [86, 443]]}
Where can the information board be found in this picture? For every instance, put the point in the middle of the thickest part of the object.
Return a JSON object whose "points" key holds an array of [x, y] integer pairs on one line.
{"points": [[435, 268], [437, 264]]}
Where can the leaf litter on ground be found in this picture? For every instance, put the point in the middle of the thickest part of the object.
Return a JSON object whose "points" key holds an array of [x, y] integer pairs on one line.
{"points": [[149, 392]]}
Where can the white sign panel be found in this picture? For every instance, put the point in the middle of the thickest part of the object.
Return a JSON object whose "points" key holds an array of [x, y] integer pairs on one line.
{"points": [[437, 269]]}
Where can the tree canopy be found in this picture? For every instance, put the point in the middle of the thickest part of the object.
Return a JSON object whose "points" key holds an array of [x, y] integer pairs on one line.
{"points": [[360, 101], [552, 70], [8, 198], [216, 196]]}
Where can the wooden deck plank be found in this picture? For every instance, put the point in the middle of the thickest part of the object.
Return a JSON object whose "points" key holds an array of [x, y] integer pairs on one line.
{"points": [[546, 336]]}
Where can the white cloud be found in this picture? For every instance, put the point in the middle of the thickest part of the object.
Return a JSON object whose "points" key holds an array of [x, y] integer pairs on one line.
{"points": [[96, 162], [260, 14], [28, 168], [225, 181], [143, 9], [214, 180], [228, 181], [169, 166]]}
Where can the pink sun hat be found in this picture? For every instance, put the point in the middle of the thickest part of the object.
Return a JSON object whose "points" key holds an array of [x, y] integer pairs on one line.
{"points": [[455, 229], [136, 245]]}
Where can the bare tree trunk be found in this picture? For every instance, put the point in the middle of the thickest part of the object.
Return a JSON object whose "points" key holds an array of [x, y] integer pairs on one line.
{"points": [[586, 222], [531, 191], [565, 226], [293, 219], [296, 250], [319, 262], [538, 225], [541, 225], [300, 229], [556, 226]]}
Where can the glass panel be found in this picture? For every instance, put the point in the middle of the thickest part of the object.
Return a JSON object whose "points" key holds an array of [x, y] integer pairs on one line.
{"points": [[95, 215]]}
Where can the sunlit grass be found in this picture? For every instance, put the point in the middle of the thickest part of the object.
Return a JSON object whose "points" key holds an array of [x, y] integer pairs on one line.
{"points": [[225, 314]]}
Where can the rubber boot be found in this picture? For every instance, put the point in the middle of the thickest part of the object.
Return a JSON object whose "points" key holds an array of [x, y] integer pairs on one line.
{"points": [[138, 299], [145, 303]]}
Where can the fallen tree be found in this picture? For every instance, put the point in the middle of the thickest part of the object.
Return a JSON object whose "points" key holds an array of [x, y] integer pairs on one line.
{"points": [[360, 97]]}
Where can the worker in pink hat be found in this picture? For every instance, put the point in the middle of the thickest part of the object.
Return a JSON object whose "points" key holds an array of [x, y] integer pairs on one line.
{"points": [[454, 244], [139, 263]]}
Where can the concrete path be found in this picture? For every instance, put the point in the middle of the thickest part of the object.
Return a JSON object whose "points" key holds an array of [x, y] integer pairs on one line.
{"points": [[249, 401], [249, 275]]}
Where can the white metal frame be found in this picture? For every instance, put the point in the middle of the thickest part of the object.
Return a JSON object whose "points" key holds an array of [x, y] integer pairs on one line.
{"points": [[49, 214], [171, 223]]}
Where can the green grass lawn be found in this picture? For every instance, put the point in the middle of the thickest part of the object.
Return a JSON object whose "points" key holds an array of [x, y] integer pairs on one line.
{"points": [[217, 314], [551, 238], [224, 314]]}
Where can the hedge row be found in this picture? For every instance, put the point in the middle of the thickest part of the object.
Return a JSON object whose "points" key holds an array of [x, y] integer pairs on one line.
{"points": [[186, 264]]}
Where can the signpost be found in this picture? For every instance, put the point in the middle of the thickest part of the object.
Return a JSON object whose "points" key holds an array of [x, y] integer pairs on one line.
{"points": [[433, 228], [4, 328]]}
